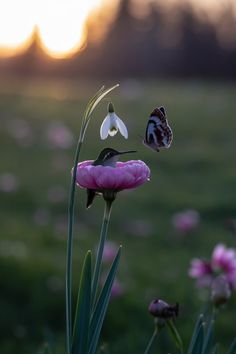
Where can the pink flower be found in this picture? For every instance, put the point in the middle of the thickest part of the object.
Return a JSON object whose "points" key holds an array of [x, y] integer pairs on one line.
{"points": [[186, 221], [125, 175], [117, 289], [8, 183], [224, 260], [202, 271], [59, 136], [109, 252], [21, 131]]}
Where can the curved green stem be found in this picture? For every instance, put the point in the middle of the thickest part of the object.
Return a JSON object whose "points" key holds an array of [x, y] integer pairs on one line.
{"points": [[69, 251], [150, 343], [103, 235]]}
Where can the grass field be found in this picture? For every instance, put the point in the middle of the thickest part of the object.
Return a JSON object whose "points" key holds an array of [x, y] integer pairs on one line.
{"points": [[197, 172]]}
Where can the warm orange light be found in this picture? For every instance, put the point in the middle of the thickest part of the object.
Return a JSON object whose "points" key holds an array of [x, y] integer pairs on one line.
{"points": [[60, 24]]}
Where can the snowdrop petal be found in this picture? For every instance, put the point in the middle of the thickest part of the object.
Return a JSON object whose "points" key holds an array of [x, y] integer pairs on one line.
{"points": [[105, 127], [122, 128]]}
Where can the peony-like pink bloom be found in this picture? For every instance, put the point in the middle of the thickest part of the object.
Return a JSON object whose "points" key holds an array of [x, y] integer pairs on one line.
{"points": [[224, 260], [126, 175], [186, 220]]}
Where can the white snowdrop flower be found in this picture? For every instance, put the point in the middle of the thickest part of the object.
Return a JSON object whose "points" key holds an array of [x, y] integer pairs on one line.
{"points": [[112, 124]]}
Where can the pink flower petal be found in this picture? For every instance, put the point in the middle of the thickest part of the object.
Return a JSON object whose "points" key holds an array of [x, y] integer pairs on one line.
{"points": [[125, 175]]}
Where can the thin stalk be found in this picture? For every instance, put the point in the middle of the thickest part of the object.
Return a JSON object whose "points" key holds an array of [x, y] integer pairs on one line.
{"points": [[150, 343], [69, 251], [175, 335], [103, 235]]}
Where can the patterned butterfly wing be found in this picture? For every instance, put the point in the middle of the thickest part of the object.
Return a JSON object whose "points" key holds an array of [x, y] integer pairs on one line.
{"points": [[158, 132]]}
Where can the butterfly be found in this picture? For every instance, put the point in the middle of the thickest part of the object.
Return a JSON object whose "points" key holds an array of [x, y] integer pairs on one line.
{"points": [[158, 132]]}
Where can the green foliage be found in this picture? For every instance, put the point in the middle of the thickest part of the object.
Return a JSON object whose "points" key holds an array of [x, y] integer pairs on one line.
{"points": [[101, 306], [82, 315], [232, 349], [203, 341]]}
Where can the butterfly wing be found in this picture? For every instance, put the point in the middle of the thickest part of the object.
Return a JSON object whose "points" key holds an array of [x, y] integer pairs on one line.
{"points": [[158, 132]]}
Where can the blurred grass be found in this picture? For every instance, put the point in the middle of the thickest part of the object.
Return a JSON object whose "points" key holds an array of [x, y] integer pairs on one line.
{"points": [[198, 172]]}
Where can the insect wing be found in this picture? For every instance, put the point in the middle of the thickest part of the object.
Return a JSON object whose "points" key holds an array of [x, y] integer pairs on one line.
{"points": [[158, 132]]}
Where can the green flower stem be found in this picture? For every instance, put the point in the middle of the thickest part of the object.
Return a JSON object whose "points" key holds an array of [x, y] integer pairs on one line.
{"points": [[103, 235], [175, 335], [85, 121], [150, 343], [69, 251]]}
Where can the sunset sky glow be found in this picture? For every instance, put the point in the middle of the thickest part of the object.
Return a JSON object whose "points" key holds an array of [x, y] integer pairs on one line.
{"points": [[60, 23]]}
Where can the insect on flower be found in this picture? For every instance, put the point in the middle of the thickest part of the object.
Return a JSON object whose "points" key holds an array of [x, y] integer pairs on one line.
{"points": [[158, 132]]}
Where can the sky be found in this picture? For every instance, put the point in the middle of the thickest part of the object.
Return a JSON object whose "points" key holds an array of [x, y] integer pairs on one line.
{"points": [[61, 23]]}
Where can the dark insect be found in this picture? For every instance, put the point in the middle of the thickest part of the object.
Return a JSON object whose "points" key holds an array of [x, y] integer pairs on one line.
{"points": [[158, 132]]}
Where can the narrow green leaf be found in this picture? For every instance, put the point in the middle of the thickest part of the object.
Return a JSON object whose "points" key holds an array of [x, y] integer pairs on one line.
{"points": [[208, 340], [91, 102], [215, 349], [82, 315], [197, 337], [232, 349], [175, 335], [101, 306], [101, 96]]}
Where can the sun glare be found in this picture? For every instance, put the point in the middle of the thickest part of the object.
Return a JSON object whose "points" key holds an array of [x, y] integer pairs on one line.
{"points": [[60, 24]]}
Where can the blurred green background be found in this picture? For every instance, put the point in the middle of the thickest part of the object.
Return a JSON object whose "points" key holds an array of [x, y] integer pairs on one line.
{"points": [[40, 123]]}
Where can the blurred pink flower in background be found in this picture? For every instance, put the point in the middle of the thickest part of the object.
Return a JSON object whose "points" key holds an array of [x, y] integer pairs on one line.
{"points": [[56, 194], [186, 221], [8, 183], [21, 131], [125, 175], [109, 252], [139, 227], [117, 289], [59, 136], [202, 271], [61, 161], [223, 262], [60, 225], [41, 217]]}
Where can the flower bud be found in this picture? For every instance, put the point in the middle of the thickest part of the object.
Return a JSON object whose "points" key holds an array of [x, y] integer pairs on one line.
{"points": [[161, 309], [110, 108], [220, 290]]}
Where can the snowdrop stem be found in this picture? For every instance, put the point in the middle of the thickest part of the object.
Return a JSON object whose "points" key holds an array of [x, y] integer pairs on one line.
{"points": [[69, 251], [103, 235]]}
